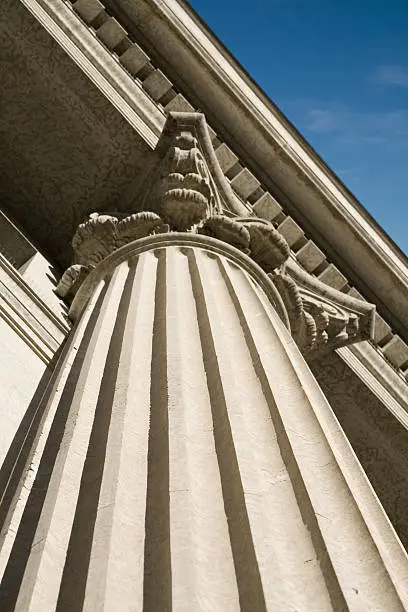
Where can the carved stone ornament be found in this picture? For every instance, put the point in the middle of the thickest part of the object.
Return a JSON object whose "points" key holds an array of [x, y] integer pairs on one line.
{"points": [[187, 192], [268, 247], [321, 318]]}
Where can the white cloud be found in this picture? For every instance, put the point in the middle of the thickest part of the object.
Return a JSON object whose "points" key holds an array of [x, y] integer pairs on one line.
{"points": [[392, 74], [349, 125], [322, 120]]}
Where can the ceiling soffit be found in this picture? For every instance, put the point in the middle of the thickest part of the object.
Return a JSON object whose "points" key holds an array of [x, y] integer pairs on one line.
{"points": [[64, 149]]}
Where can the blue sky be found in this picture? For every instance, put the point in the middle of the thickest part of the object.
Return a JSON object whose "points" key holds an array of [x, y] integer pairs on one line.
{"points": [[338, 69]]}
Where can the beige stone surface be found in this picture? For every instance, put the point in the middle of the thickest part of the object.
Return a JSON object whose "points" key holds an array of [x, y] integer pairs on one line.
{"points": [[333, 277], [396, 351], [267, 207], [291, 230], [244, 183], [43, 278], [187, 458], [376, 430], [31, 331], [184, 457], [20, 373], [310, 256], [226, 158]]}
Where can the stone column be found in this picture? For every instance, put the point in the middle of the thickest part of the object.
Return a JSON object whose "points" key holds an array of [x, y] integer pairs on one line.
{"points": [[187, 459]]}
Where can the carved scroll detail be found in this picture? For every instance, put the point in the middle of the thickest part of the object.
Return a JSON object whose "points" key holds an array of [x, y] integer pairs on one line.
{"points": [[321, 318]]}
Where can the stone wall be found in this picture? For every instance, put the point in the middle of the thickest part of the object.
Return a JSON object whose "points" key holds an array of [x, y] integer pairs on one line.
{"points": [[31, 331], [378, 439]]}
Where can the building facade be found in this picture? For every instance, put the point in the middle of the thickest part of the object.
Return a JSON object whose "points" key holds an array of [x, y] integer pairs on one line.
{"points": [[204, 363]]}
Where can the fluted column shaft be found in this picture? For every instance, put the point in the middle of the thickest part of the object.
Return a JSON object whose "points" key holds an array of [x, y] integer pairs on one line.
{"points": [[187, 459]]}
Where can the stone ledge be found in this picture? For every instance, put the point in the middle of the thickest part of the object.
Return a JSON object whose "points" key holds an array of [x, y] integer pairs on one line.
{"points": [[30, 318], [370, 366]]}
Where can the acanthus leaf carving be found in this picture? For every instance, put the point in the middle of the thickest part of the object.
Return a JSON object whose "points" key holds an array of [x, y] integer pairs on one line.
{"points": [[180, 188], [136, 226], [229, 230], [268, 247], [94, 239], [99, 236], [186, 191], [71, 280]]}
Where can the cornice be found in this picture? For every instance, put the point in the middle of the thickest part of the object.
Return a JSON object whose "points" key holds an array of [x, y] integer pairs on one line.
{"points": [[87, 38], [104, 69], [243, 112]]}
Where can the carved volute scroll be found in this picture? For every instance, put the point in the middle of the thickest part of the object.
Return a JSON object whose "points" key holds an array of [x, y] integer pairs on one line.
{"points": [[322, 318], [187, 192]]}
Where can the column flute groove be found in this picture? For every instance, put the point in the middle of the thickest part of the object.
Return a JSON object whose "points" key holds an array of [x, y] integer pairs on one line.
{"points": [[202, 564], [281, 541], [30, 497], [238, 291], [48, 552], [309, 435], [18, 488], [157, 570], [116, 565], [74, 578], [249, 584]]}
